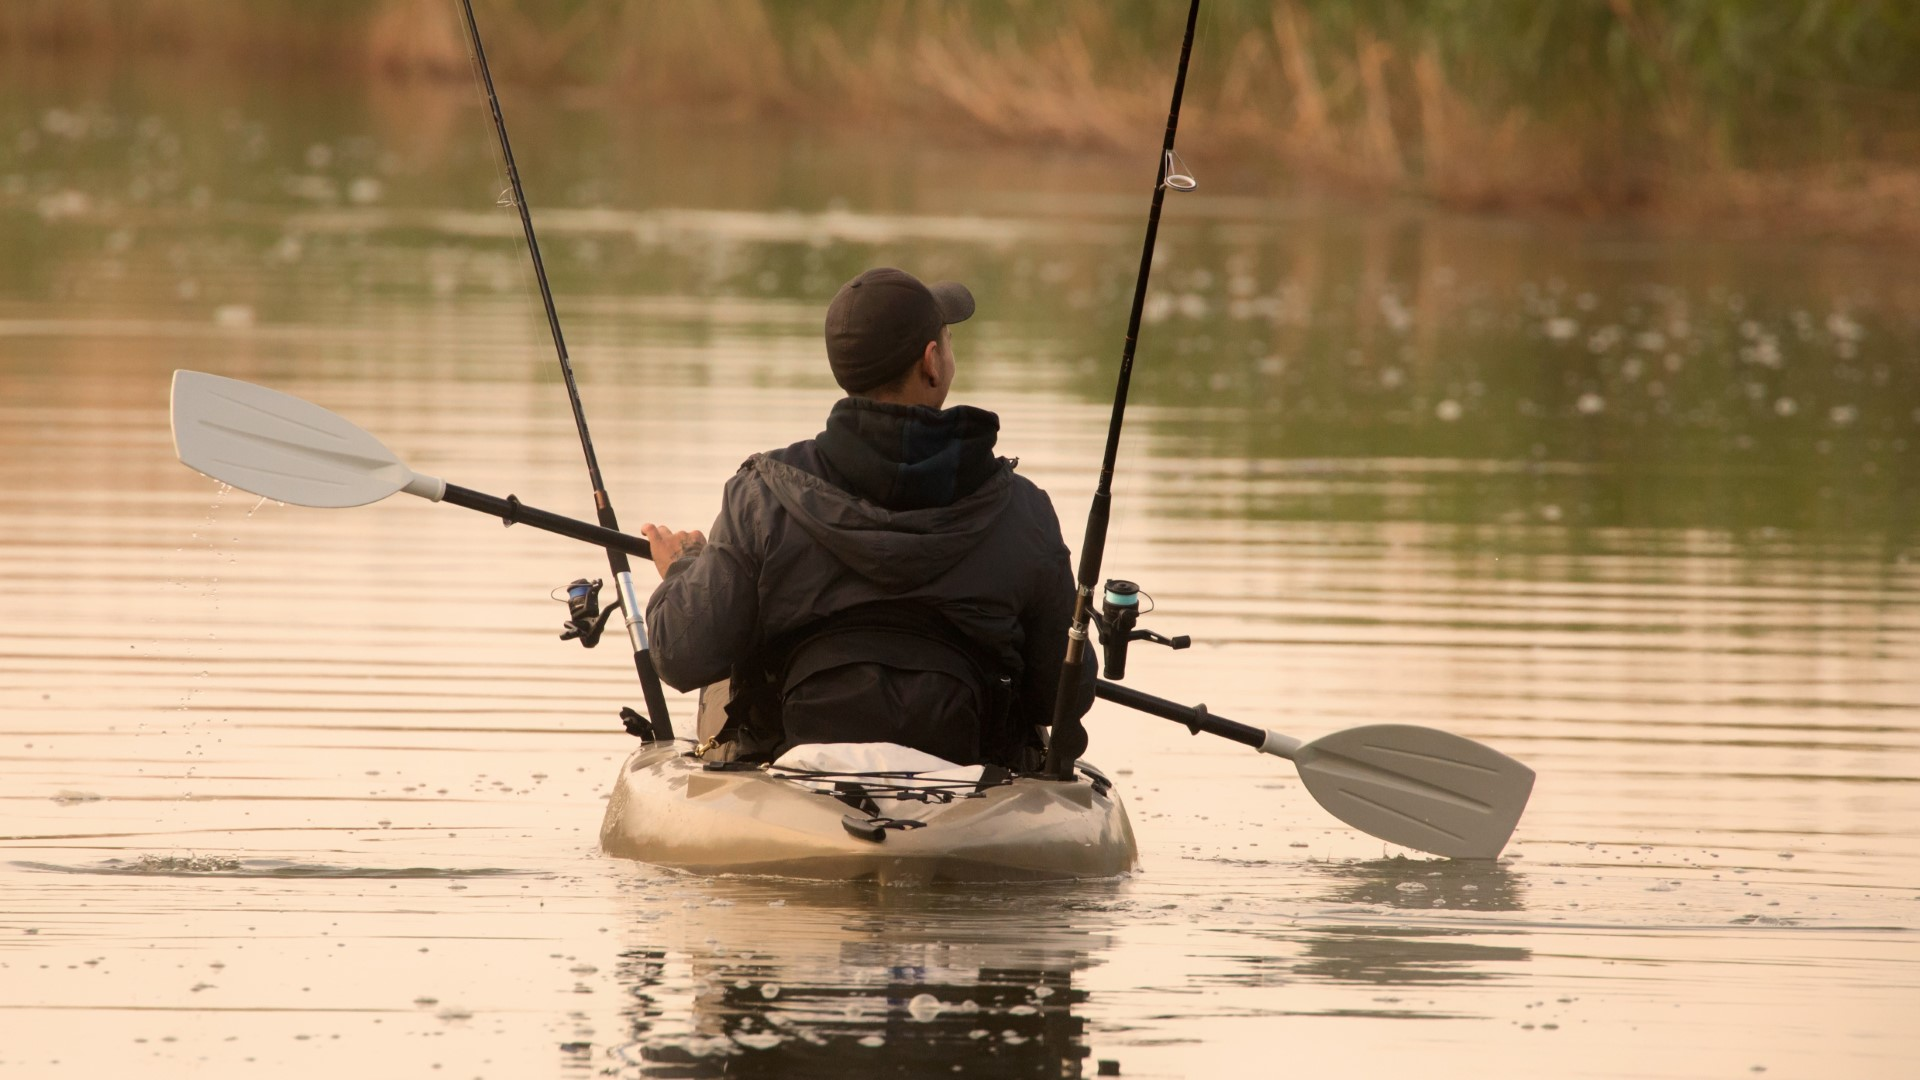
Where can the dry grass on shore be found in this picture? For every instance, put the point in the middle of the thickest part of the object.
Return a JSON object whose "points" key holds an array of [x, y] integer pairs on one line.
{"points": [[1471, 108]]}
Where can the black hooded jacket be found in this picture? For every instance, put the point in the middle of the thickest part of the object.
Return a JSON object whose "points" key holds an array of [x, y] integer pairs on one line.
{"points": [[890, 502]]}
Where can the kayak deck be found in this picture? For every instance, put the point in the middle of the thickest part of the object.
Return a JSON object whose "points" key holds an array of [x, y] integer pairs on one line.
{"points": [[668, 808]]}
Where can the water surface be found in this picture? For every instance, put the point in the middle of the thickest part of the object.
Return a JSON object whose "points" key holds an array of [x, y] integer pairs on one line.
{"points": [[318, 791]]}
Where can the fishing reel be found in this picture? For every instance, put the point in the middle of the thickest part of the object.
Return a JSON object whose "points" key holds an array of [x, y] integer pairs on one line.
{"points": [[1119, 610], [588, 621]]}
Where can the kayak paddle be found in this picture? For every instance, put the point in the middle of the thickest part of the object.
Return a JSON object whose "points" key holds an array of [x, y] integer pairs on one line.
{"points": [[280, 447], [1413, 786]]}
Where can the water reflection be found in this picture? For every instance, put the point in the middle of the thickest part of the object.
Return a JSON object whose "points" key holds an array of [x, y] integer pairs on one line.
{"points": [[1404, 955], [796, 980], [1535, 386], [1476, 884], [1378, 951], [1379, 957]]}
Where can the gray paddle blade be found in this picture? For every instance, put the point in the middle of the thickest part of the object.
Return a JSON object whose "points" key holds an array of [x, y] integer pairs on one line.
{"points": [[277, 445], [1418, 787]]}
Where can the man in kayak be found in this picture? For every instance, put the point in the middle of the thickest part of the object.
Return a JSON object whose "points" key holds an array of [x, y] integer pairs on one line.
{"points": [[889, 580]]}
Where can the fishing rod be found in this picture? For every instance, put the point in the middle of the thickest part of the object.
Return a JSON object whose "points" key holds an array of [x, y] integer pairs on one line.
{"points": [[658, 724], [1069, 738]]}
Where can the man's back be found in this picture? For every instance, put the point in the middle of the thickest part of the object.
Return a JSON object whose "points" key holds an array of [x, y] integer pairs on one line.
{"points": [[884, 575]]}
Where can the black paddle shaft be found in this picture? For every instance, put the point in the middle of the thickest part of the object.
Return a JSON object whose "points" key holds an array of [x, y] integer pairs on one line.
{"points": [[1069, 739], [656, 700], [512, 511], [1196, 717]]}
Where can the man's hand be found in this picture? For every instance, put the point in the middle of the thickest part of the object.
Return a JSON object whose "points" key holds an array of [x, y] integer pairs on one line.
{"points": [[668, 545]]}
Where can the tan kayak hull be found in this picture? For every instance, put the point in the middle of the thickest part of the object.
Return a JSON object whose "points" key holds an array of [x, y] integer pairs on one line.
{"points": [[666, 809]]}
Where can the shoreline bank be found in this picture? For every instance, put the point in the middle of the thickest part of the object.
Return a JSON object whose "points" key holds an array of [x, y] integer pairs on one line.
{"points": [[1603, 111]]}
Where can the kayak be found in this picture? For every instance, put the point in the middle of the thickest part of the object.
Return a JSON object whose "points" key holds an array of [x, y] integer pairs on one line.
{"points": [[864, 811]]}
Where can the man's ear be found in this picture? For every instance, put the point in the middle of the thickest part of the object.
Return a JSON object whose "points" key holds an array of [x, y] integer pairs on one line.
{"points": [[930, 363]]}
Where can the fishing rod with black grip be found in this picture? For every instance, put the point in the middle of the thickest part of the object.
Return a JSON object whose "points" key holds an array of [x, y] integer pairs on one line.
{"points": [[1069, 738], [656, 701]]}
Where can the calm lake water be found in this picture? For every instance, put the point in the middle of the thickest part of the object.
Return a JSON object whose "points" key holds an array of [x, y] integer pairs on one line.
{"points": [[301, 792]]}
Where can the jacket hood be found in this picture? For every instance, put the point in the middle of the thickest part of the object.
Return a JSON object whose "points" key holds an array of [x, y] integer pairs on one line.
{"points": [[908, 457], [897, 550]]}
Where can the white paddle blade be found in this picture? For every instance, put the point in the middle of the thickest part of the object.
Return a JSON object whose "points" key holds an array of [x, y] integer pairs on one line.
{"points": [[1418, 788], [279, 446]]}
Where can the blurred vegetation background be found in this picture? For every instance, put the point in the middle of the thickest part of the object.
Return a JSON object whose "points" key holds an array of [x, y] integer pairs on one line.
{"points": [[1804, 113]]}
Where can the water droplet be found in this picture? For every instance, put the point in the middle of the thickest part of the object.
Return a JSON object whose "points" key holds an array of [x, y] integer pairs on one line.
{"points": [[759, 1040]]}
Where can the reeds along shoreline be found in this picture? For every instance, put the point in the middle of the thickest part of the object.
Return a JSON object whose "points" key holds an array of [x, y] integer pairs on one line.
{"points": [[1804, 110]]}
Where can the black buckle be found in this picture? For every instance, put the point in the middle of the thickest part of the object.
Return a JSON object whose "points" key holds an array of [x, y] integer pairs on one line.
{"points": [[875, 828]]}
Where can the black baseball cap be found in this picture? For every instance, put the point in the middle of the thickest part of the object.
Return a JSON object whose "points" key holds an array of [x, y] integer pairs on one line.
{"points": [[880, 322]]}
